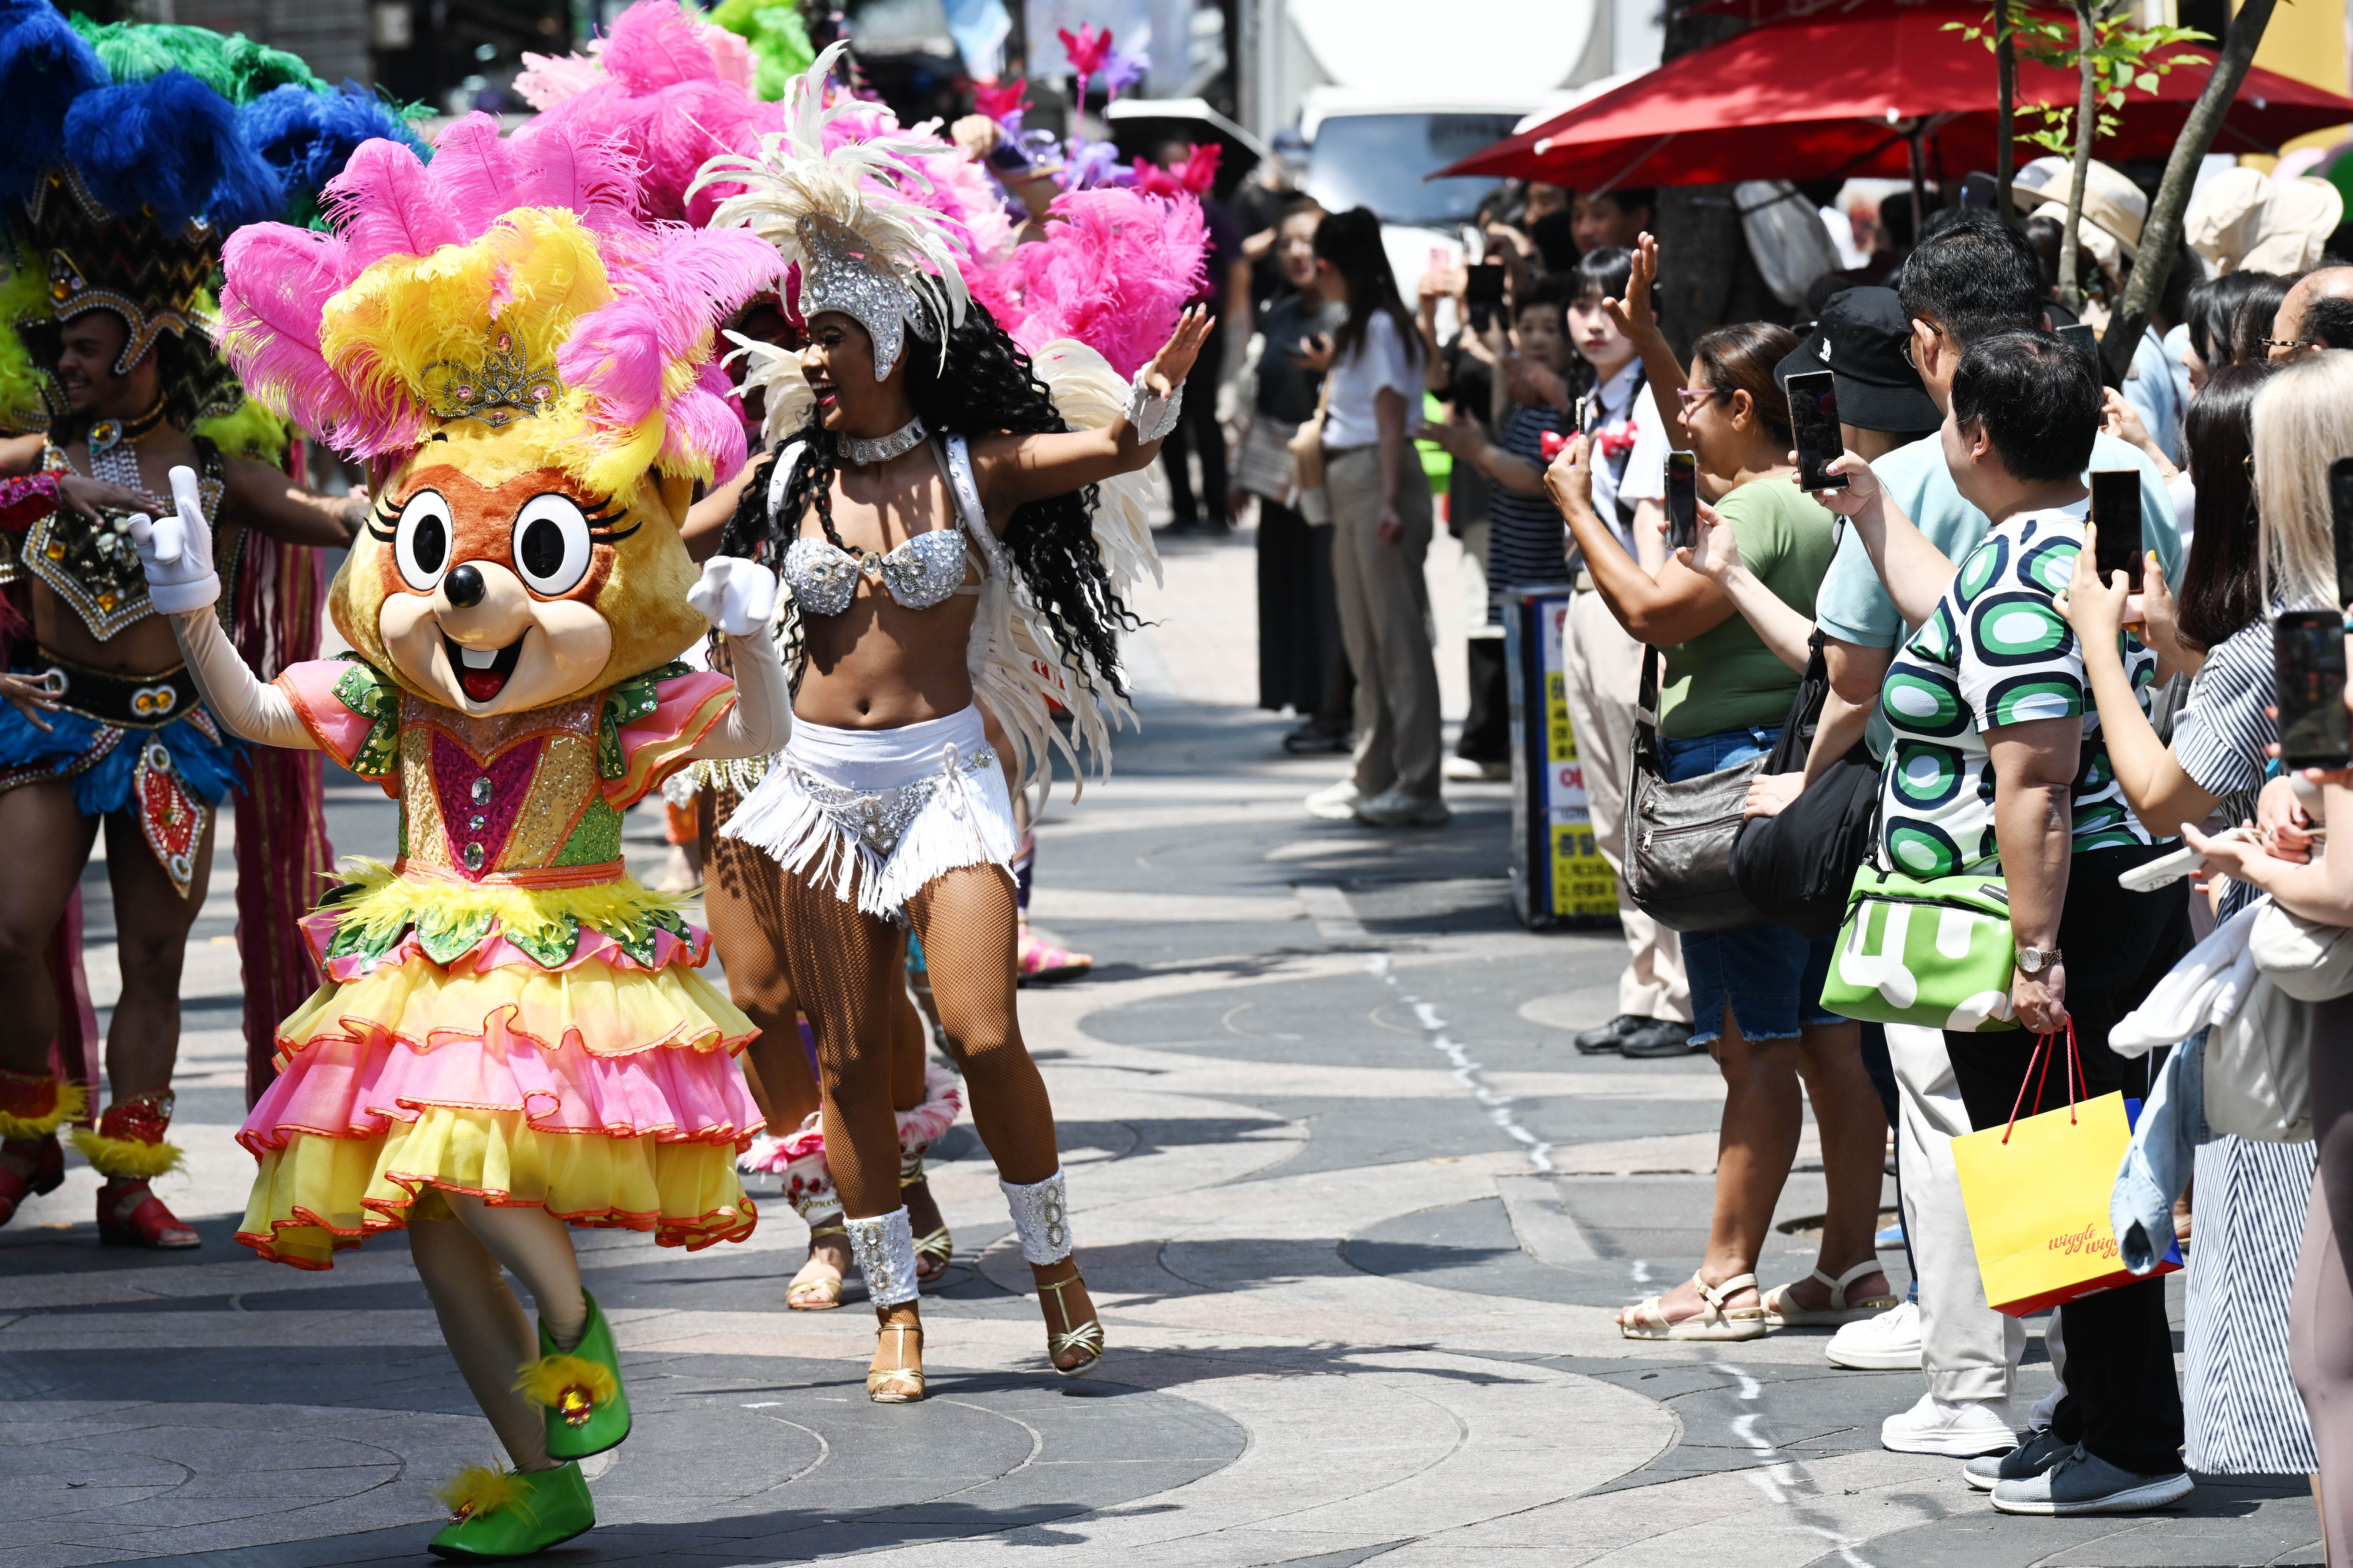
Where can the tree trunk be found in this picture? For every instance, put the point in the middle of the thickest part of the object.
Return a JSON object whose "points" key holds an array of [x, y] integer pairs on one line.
{"points": [[2160, 237], [1707, 276], [2005, 149], [2087, 125]]}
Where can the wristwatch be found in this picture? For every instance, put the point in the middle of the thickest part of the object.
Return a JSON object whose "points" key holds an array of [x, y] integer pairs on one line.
{"points": [[2035, 960]]}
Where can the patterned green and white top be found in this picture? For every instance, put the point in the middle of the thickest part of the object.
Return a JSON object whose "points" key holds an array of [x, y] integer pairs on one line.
{"points": [[1995, 652]]}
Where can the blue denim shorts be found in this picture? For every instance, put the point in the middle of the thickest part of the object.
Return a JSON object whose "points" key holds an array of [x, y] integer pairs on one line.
{"points": [[1768, 975]]}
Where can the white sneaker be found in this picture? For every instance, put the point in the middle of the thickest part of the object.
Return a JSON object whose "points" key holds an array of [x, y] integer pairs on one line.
{"points": [[1957, 1431], [1394, 808], [1888, 1342], [1335, 802], [1463, 770]]}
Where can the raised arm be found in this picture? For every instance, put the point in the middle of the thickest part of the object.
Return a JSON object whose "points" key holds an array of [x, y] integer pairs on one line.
{"points": [[707, 518], [1914, 572], [264, 498], [1635, 317], [176, 552], [738, 597], [1013, 470], [2159, 791], [1716, 557], [1676, 608]]}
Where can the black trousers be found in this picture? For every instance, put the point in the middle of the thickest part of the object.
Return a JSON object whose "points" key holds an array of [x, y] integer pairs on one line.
{"points": [[1196, 426], [2122, 1405], [1298, 612]]}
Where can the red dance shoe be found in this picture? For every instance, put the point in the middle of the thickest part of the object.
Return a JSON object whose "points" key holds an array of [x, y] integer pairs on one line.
{"points": [[129, 1150], [131, 1214], [28, 1168]]}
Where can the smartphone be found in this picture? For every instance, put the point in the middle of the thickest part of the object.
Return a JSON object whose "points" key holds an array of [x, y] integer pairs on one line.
{"points": [[2340, 503], [2308, 660], [2116, 513], [1484, 294], [2082, 336], [1682, 500], [1978, 192], [1814, 417]]}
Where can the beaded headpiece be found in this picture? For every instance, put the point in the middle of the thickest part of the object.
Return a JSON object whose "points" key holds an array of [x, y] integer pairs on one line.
{"points": [[862, 250]]}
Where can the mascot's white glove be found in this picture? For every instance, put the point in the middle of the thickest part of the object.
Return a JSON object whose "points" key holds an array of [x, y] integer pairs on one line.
{"points": [[735, 595], [177, 551]]}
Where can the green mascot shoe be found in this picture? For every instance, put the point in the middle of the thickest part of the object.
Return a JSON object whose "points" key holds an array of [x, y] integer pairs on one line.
{"points": [[588, 1409], [495, 1515]]}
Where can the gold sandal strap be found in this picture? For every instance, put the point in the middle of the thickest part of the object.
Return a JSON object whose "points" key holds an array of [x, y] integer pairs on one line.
{"points": [[819, 1232]]}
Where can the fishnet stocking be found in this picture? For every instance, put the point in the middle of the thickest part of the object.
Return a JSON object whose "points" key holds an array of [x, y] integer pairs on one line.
{"points": [[964, 919]]}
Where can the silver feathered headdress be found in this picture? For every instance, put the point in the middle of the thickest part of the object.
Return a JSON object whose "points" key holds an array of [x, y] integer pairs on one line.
{"points": [[884, 261]]}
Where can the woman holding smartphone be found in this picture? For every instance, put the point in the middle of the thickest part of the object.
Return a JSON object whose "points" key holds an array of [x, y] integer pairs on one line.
{"points": [[1756, 991], [2240, 1401]]}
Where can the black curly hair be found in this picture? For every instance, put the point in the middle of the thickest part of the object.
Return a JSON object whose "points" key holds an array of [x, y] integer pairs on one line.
{"points": [[195, 382], [987, 385]]}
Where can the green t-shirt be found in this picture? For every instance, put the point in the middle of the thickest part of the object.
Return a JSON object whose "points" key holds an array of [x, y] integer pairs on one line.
{"points": [[1725, 677]]}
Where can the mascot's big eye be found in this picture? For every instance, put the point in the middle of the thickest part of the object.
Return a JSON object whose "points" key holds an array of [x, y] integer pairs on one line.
{"points": [[421, 543], [552, 545]]}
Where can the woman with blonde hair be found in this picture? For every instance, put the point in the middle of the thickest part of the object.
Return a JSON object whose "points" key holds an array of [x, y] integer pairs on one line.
{"points": [[2303, 422], [2240, 1404]]}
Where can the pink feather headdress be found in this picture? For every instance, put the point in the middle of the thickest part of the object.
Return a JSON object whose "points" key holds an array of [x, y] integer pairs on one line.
{"points": [[510, 285]]}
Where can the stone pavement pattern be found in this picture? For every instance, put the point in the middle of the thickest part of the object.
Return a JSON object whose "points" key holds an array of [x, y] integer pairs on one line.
{"points": [[1357, 1216]]}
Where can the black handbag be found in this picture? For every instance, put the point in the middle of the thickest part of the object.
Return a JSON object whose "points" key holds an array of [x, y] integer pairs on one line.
{"points": [[1799, 868], [1678, 837]]}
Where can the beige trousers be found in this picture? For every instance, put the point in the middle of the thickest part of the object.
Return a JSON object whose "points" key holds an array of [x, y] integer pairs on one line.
{"points": [[1604, 664], [1385, 623]]}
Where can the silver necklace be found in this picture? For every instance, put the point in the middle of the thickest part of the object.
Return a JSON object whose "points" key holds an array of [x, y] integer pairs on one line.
{"points": [[113, 454], [882, 448]]}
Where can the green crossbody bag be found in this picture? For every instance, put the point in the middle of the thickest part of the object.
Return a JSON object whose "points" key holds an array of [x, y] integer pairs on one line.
{"points": [[1937, 954]]}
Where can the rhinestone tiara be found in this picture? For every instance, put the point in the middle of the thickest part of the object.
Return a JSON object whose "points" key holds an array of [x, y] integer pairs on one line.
{"points": [[498, 391]]}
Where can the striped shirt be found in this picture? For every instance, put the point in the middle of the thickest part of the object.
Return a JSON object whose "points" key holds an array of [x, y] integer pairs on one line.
{"points": [[1528, 542], [2219, 736]]}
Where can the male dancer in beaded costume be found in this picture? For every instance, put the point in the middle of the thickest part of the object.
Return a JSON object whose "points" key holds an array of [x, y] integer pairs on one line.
{"points": [[104, 728]]}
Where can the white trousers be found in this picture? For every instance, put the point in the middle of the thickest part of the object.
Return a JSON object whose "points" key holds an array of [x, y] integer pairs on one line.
{"points": [[1968, 1350], [1603, 665]]}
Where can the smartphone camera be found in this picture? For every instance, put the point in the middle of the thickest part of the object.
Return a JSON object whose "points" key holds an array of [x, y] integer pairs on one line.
{"points": [[2340, 504], [1682, 500], [2116, 513], [2309, 662], [1814, 421], [1483, 294]]}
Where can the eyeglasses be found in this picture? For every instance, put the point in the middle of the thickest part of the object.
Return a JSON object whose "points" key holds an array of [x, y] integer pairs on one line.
{"points": [[1693, 395], [2285, 342], [1907, 343]]}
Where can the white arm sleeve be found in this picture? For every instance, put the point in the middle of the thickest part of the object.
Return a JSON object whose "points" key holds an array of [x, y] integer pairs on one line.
{"points": [[762, 720], [248, 708]]}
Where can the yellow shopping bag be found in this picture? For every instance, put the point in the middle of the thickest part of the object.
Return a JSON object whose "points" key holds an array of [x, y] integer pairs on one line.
{"points": [[2037, 1193]]}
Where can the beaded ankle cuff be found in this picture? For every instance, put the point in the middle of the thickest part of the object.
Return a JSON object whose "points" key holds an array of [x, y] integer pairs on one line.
{"points": [[1041, 1217], [886, 1250]]}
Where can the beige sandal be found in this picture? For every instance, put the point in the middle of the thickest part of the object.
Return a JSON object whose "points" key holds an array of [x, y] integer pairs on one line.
{"points": [[1712, 1322], [1087, 1336], [816, 1293], [1781, 1312], [901, 1384]]}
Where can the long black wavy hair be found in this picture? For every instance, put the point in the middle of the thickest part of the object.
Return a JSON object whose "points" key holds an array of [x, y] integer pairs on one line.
{"points": [[988, 386]]}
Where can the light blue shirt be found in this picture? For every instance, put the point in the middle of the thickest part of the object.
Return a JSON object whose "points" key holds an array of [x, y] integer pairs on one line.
{"points": [[1853, 606], [2150, 388]]}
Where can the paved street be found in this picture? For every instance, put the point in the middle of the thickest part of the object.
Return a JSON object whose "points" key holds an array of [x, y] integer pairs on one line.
{"points": [[1357, 1215]]}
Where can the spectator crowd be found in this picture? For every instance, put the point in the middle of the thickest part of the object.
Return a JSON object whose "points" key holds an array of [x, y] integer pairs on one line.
{"points": [[1927, 654]]}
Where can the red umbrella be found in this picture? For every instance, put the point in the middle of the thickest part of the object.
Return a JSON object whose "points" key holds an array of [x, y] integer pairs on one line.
{"points": [[1841, 96]]}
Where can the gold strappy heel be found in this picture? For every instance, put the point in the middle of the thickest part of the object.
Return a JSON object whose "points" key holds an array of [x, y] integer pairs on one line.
{"points": [[900, 1384], [816, 1294], [935, 1249], [1087, 1336]]}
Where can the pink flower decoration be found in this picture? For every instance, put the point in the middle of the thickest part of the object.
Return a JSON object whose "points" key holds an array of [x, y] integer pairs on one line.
{"points": [[996, 102], [1088, 51]]}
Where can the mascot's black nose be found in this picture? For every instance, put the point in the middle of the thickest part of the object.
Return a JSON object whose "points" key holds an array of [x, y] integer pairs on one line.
{"points": [[464, 587]]}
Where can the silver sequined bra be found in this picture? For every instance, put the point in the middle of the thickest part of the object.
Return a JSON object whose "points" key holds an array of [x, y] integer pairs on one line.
{"points": [[924, 571]]}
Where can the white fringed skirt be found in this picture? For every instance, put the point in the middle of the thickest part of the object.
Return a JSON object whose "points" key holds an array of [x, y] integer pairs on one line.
{"points": [[881, 812]]}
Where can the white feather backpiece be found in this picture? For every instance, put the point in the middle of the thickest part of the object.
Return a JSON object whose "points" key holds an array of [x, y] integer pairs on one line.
{"points": [[1016, 668]]}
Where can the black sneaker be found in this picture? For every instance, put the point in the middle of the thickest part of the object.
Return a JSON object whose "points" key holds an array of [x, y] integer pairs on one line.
{"points": [[1658, 1038], [1609, 1036], [1315, 737], [2037, 1454]]}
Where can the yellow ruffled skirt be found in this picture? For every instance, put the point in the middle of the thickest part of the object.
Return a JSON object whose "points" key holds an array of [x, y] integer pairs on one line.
{"points": [[605, 1093]]}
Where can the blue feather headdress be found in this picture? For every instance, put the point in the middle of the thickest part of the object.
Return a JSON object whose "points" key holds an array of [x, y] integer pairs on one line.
{"points": [[132, 153]]}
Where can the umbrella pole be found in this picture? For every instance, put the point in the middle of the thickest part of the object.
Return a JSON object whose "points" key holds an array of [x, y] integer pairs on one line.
{"points": [[1919, 178]]}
